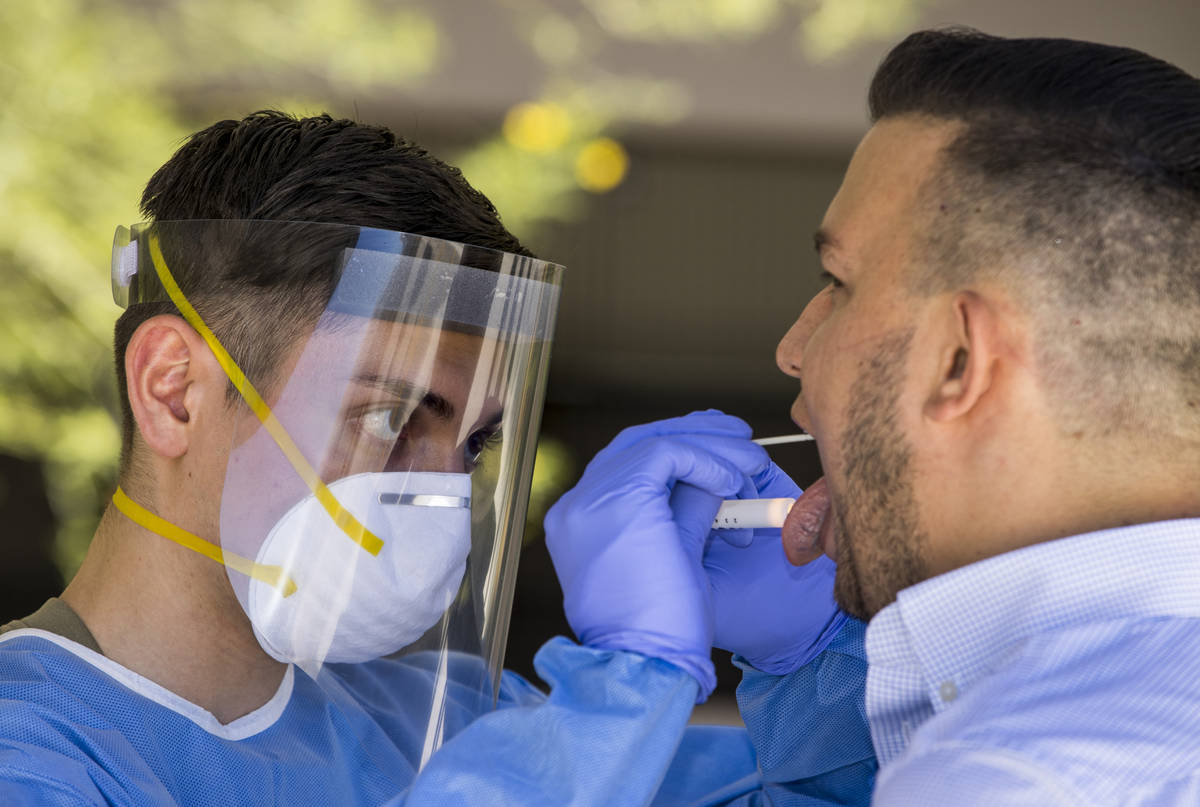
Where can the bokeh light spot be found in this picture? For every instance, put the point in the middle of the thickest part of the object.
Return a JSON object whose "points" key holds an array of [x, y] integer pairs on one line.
{"points": [[601, 165], [537, 127]]}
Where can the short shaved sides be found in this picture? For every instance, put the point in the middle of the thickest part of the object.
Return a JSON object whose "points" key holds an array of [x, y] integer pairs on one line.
{"points": [[1074, 182]]}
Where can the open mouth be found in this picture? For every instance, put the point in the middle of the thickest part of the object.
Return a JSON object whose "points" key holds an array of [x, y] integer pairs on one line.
{"points": [[808, 530]]}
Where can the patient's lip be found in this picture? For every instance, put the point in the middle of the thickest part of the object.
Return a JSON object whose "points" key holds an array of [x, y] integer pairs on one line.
{"points": [[803, 536]]}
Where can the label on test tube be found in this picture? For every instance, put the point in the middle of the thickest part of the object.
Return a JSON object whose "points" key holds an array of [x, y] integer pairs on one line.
{"points": [[743, 514]]}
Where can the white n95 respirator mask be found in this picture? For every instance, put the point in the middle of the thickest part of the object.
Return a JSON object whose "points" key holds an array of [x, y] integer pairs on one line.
{"points": [[350, 605]]}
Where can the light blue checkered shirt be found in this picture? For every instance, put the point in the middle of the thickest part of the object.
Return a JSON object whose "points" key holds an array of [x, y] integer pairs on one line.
{"points": [[1065, 673]]}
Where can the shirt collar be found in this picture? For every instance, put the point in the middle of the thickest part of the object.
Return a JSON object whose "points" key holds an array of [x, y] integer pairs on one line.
{"points": [[957, 626]]}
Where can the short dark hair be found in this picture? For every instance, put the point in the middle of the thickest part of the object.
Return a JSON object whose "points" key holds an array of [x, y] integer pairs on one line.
{"points": [[1074, 178], [270, 166]]}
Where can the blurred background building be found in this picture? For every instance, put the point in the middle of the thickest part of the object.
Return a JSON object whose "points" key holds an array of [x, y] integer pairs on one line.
{"points": [[676, 155]]}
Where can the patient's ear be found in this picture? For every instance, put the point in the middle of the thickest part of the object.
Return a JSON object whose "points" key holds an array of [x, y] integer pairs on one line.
{"points": [[974, 342], [166, 376]]}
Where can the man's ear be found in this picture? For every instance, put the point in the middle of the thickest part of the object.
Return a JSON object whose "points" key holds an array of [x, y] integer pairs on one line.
{"points": [[166, 372], [974, 342]]}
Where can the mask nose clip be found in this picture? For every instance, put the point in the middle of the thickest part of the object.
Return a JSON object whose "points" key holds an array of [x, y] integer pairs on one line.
{"points": [[424, 500]]}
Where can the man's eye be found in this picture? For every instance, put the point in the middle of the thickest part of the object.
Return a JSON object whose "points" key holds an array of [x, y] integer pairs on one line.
{"points": [[384, 424], [828, 279], [478, 443]]}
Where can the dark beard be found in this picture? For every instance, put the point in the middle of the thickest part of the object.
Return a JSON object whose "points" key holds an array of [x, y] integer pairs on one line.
{"points": [[878, 532]]}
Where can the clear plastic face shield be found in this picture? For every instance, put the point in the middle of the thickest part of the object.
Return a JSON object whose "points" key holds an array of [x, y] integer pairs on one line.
{"points": [[380, 457]]}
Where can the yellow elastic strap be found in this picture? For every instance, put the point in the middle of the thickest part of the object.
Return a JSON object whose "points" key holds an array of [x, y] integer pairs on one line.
{"points": [[342, 517], [273, 576]]}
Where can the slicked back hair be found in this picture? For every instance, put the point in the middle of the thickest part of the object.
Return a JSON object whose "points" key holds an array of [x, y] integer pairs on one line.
{"points": [[272, 166], [1073, 180]]}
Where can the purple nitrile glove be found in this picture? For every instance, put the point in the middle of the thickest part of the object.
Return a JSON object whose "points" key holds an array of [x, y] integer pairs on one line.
{"points": [[630, 579], [775, 615]]}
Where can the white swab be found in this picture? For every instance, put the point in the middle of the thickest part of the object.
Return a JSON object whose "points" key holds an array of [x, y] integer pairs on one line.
{"points": [[754, 514], [783, 438]]}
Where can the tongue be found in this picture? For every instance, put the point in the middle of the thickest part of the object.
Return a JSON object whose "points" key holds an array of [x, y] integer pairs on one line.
{"points": [[802, 528]]}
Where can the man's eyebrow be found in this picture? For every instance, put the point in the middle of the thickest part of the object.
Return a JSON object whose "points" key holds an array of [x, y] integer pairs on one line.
{"points": [[399, 388], [822, 239], [440, 407]]}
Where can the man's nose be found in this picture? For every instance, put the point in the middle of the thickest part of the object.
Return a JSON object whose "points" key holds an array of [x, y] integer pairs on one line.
{"points": [[789, 354]]}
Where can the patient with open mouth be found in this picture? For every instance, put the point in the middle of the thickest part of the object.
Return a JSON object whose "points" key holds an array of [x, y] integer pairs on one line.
{"points": [[1002, 375]]}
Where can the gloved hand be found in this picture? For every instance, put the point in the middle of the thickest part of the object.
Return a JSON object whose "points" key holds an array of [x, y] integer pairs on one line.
{"points": [[630, 580], [775, 615]]}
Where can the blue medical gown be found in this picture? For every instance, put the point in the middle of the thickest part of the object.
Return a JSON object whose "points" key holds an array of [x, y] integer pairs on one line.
{"points": [[809, 729], [613, 731], [610, 733]]}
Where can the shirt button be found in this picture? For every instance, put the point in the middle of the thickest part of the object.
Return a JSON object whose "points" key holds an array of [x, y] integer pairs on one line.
{"points": [[948, 691]]}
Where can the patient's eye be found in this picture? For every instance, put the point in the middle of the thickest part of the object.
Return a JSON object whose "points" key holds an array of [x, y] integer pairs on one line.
{"points": [[829, 279]]}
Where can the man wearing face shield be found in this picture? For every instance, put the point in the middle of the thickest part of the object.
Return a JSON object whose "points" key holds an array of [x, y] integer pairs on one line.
{"points": [[332, 363]]}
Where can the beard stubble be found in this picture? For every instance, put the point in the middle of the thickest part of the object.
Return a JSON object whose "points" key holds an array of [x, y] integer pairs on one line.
{"points": [[879, 539]]}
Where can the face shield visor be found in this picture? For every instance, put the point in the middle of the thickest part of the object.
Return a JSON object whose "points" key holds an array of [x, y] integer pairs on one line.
{"points": [[386, 391]]}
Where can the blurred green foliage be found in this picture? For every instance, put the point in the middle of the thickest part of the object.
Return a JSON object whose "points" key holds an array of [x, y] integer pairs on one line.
{"points": [[90, 110], [82, 125], [96, 94], [825, 29]]}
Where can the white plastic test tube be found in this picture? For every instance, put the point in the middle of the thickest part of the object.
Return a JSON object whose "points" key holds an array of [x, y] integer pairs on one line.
{"points": [[737, 514], [753, 514]]}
